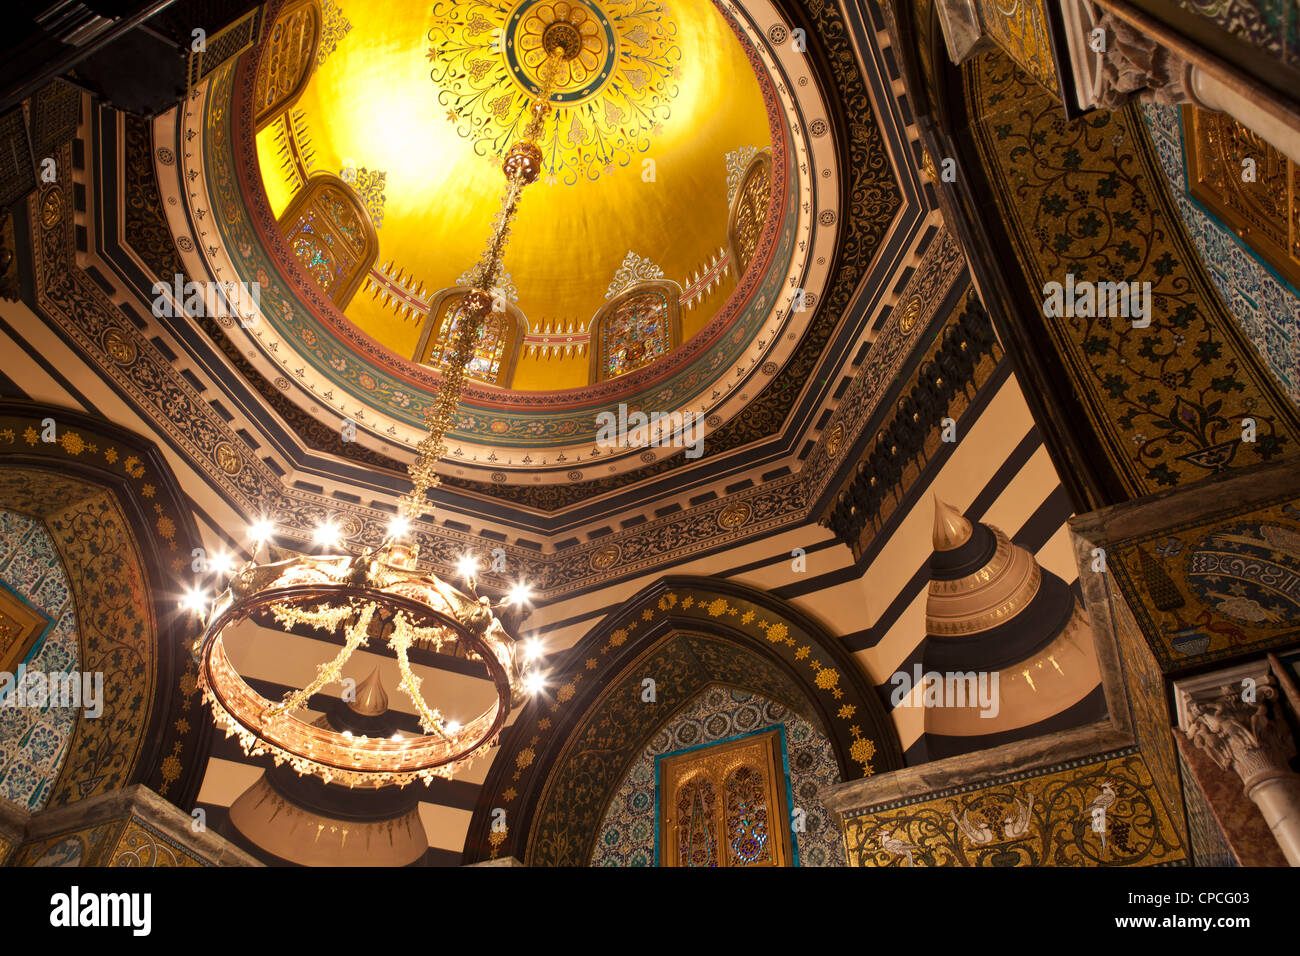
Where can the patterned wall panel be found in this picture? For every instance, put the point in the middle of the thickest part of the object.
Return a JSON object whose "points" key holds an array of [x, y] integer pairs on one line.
{"points": [[130, 841], [1208, 844], [1270, 26], [1152, 722], [1212, 588], [1086, 198], [115, 633], [1040, 818], [34, 740], [627, 832], [1021, 29], [1266, 309]]}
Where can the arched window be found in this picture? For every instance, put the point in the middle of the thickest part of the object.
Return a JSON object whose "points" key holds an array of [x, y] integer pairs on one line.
{"points": [[697, 824], [748, 840], [496, 352], [331, 236], [634, 328], [749, 211], [286, 65], [748, 827]]}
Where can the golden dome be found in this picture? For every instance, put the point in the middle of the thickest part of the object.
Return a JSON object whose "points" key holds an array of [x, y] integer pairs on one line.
{"points": [[679, 90]]}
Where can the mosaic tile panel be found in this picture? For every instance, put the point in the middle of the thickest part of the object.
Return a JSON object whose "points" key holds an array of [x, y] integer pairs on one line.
{"points": [[1266, 309], [1042, 817], [627, 833], [34, 740], [1268, 25]]}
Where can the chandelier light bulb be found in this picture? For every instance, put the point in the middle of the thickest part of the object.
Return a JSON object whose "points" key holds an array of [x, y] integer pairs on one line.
{"points": [[452, 726], [195, 600], [327, 534], [261, 531], [467, 567], [534, 682], [399, 527], [222, 564], [520, 594], [532, 649]]}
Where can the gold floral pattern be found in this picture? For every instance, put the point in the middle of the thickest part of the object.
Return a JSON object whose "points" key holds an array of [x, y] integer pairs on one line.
{"points": [[1087, 198], [1043, 818]]}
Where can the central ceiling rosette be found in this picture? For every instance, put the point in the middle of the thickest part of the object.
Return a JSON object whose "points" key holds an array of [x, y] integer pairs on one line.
{"points": [[614, 90]]}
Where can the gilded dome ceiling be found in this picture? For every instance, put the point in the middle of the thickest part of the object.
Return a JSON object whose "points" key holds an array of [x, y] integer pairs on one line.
{"points": [[687, 153], [414, 106]]}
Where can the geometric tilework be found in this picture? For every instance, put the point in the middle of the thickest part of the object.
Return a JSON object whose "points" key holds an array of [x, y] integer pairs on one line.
{"points": [[1266, 308], [34, 740], [627, 833]]}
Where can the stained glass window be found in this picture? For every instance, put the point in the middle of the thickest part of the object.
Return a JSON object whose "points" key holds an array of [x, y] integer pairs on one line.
{"points": [[329, 232], [312, 250], [499, 340], [725, 804], [636, 328], [489, 349], [287, 63], [749, 211]]}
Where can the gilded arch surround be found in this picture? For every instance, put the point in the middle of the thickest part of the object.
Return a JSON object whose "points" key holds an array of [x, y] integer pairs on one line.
{"points": [[565, 755], [123, 532]]}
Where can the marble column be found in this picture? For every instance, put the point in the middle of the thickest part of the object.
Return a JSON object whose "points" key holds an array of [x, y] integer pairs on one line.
{"points": [[1232, 715]]}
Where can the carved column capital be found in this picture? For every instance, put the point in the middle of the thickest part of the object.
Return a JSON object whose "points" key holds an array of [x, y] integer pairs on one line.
{"points": [[1134, 64], [1231, 716]]}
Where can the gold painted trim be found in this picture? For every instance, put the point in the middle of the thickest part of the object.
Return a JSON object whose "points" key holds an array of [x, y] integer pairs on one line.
{"points": [[1217, 192], [973, 582], [957, 627]]}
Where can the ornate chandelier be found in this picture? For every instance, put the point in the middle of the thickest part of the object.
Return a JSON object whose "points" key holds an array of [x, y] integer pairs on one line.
{"points": [[379, 596]]}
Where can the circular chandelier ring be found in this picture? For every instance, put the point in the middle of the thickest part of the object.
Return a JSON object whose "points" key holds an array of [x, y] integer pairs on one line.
{"points": [[356, 761]]}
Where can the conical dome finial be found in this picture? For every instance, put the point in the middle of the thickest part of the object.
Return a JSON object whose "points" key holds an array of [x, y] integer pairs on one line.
{"points": [[951, 529], [371, 700]]}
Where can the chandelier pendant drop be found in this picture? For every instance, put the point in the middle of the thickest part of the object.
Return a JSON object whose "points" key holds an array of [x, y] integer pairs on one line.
{"points": [[379, 597]]}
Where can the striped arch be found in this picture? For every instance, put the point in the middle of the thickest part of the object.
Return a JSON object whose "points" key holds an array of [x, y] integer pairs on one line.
{"points": [[564, 756]]}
